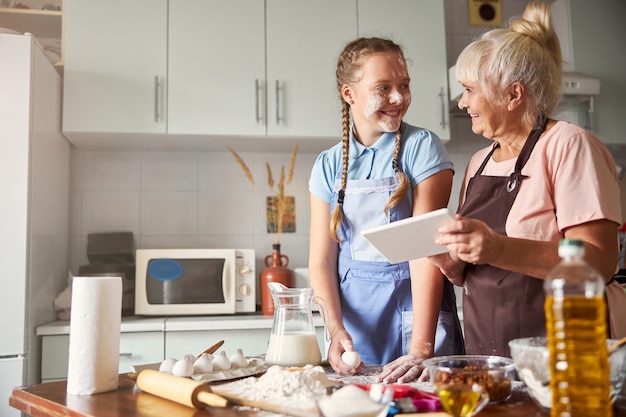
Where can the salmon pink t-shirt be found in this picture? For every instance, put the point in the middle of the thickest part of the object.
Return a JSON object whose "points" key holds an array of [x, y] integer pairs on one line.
{"points": [[571, 180]]}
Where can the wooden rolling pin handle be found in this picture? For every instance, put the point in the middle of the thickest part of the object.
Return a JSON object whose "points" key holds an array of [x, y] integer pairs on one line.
{"points": [[208, 398], [184, 391]]}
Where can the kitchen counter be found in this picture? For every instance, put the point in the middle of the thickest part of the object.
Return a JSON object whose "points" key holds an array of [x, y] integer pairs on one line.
{"points": [[51, 399]]}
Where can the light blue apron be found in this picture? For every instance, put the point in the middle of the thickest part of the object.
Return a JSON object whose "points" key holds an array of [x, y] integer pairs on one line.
{"points": [[376, 295]]}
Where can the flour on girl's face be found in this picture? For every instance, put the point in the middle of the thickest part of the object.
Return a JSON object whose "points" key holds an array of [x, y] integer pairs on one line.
{"points": [[375, 102], [396, 98]]}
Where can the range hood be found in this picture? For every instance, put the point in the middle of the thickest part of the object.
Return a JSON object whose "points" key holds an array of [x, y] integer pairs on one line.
{"points": [[577, 88]]}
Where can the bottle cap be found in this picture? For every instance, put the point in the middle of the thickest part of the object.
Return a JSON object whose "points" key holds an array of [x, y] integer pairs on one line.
{"points": [[571, 247]]}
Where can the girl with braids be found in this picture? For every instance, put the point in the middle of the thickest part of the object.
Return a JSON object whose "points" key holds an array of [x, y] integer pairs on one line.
{"points": [[383, 170], [541, 181]]}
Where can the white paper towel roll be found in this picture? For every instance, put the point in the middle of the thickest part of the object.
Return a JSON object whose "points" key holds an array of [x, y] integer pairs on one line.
{"points": [[95, 321]]}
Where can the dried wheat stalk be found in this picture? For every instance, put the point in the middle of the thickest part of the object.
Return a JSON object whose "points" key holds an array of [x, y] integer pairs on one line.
{"points": [[292, 163], [281, 203], [270, 177], [280, 199], [242, 164]]}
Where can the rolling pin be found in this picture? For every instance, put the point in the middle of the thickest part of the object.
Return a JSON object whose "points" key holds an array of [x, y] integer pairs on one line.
{"points": [[181, 390]]}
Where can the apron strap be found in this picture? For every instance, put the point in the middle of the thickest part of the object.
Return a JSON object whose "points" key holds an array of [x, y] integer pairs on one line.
{"points": [[516, 177]]}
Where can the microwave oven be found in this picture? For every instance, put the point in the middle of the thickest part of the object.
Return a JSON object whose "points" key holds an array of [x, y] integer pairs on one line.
{"points": [[194, 281]]}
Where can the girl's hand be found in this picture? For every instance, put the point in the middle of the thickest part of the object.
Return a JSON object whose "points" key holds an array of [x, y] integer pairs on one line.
{"points": [[342, 342], [406, 368]]}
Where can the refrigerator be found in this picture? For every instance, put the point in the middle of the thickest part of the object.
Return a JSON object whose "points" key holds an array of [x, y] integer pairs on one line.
{"points": [[34, 207]]}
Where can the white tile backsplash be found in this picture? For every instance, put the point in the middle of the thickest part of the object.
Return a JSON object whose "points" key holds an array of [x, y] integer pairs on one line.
{"points": [[110, 211], [220, 171], [224, 213], [169, 213], [111, 171], [176, 171]]}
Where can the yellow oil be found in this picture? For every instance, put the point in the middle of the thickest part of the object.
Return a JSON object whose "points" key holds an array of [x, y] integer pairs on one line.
{"points": [[460, 400], [580, 373]]}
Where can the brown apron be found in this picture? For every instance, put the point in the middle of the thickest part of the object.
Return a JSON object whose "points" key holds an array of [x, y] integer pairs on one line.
{"points": [[499, 305]]}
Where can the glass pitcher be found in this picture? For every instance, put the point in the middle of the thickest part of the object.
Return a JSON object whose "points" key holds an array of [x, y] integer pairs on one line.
{"points": [[293, 341]]}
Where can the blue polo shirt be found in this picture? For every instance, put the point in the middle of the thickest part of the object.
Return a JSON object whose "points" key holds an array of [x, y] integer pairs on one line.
{"points": [[422, 155]]}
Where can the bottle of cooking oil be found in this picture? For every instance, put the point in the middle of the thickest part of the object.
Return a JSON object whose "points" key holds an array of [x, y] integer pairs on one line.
{"points": [[576, 331]]}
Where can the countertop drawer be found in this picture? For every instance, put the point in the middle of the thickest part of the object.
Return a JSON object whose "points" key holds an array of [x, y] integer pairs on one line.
{"points": [[135, 349]]}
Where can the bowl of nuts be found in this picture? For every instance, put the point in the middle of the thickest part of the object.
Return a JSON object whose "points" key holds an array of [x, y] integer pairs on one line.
{"points": [[495, 374]]}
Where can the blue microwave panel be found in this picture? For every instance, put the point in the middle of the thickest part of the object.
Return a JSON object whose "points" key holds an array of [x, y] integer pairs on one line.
{"points": [[165, 269]]}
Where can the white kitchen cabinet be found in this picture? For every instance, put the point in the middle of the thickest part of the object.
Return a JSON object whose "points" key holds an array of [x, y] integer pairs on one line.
{"points": [[145, 340], [251, 333], [254, 67], [115, 67], [141, 348], [136, 348], [419, 27], [204, 67], [253, 342], [54, 357], [216, 74], [304, 39]]}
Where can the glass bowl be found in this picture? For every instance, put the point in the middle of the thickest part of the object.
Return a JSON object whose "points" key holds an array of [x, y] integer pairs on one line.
{"points": [[494, 373], [530, 356]]}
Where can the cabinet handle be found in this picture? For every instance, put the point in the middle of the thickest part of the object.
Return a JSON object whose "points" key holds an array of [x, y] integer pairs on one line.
{"points": [[278, 119], [443, 109], [156, 98], [257, 89], [126, 355]]}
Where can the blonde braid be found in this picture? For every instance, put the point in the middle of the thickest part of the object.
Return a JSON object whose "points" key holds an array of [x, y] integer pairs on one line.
{"points": [[337, 216], [403, 188], [349, 65]]}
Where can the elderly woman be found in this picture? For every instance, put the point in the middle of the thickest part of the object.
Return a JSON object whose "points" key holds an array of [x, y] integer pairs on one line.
{"points": [[540, 181]]}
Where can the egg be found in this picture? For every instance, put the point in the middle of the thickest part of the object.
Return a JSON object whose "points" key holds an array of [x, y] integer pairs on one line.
{"points": [[238, 360], [167, 365], [182, 368], [351, 358], [221, 362], [203, 364]]}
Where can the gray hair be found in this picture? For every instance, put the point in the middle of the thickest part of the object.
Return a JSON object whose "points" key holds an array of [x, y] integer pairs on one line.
{"points": [[528, 52]]}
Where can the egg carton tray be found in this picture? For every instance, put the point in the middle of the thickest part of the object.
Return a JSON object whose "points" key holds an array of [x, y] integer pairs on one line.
{"points": [[255, 367]]}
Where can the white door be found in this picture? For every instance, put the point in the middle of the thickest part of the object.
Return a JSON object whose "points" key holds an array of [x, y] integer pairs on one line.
{"points": [[304, 39], [11, 371], [216, 67], [419, 27], [115, 66]]}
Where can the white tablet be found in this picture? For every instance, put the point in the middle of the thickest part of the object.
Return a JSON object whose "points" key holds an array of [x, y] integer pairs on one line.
{"points": [[410, 238]]}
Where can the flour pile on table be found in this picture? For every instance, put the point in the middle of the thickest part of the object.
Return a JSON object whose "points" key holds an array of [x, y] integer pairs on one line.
{"points": [[291, 387]]}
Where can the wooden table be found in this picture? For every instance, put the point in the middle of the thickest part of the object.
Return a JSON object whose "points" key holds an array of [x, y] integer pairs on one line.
{"points": [[52, 400]]}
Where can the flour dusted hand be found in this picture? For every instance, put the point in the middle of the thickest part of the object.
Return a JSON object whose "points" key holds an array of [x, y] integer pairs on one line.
{"points": [[404, 369]]}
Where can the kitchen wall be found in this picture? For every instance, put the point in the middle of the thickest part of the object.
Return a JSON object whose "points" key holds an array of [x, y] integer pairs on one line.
{"points": [[184, 199], [203, 199]]}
